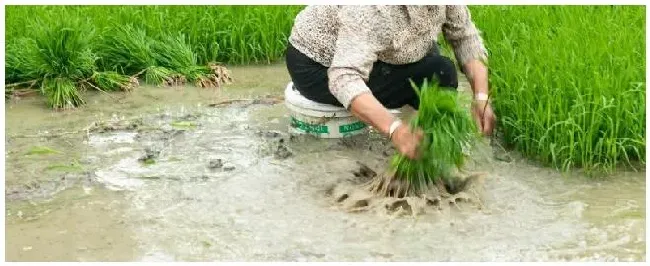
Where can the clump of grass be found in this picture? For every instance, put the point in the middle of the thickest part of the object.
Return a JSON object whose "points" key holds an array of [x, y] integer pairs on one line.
{"points": [[113, 81], [449, 132], [168, 61], [61, 93], [63, 51], [130, 50], [59, 56], [158, 75], [17, 60], [19, 70], [568, 82], [173, 52]]}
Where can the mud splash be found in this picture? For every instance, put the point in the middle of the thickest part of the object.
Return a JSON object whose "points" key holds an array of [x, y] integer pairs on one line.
{"points": [[356, 195]]}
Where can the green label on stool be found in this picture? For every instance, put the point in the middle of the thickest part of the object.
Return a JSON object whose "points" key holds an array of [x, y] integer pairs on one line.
{"points": [[351, 127], [309, 128]]}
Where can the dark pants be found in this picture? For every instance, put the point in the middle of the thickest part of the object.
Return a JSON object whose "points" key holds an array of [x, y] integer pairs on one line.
{"points": [[390, 84]]}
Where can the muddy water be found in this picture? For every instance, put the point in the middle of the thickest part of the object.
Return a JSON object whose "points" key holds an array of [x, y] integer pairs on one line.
{"points": [[219, 188]]}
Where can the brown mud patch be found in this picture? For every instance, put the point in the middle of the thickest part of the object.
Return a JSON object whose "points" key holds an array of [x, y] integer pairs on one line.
{"points": [[360, 194]]}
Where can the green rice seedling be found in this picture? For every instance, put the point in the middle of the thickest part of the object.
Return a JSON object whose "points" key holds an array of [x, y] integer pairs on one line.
{"points": [[63, 50], [126, 48], [229, 34], [184, 124], [61, 93], [18, 67], [233, 34], [568, 82], [158, 75], [16, 61], [130, 50], [449, 132], [57, 56], [70, 167], [126, 36], [41, 150], [176, 54], [113, 81]]}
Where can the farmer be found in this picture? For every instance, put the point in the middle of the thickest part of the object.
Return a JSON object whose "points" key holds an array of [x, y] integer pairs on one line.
{"points": [[362, 58]]}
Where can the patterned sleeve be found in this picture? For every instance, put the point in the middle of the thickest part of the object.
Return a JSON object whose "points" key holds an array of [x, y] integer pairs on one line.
{"points": [[459, 30], [361, 36]]}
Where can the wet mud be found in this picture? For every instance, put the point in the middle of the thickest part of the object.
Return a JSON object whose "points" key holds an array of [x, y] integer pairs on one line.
{"points": [[359, 194], [166, 176]]}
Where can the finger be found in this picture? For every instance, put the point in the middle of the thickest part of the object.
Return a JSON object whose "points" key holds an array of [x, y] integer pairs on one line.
{"points": [[489, 124], [420, 135], [406, 152], [487, 127], [415, 150], [412, 155], [416, 154]]}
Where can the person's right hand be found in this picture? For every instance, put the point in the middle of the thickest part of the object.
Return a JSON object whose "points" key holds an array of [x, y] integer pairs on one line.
{"points": [[407, 141]]}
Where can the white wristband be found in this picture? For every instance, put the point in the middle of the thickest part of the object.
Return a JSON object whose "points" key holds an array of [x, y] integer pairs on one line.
{"points": [[393, 127], [481, 96]]}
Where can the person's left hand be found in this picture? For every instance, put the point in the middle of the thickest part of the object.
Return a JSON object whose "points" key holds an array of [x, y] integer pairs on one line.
{"points": [[483, 116]]}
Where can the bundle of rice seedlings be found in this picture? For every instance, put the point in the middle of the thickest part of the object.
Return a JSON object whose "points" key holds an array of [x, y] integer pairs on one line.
{"points": [[61, 93], [211, 76], [113, 81], [129, 50], [449, 132], [173, 52], [158, 75], [219, 74], [58, 56], [63, 51]]}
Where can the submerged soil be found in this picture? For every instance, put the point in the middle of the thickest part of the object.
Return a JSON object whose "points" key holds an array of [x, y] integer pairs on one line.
{"points": [[366, 192], [187, 174]]}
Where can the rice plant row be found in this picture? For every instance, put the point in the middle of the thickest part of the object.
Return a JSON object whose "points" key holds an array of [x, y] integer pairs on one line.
{"points": [[568, 82]]}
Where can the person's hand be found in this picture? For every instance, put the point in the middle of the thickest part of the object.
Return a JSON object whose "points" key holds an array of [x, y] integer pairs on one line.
{"points": [[483, 116], [407, 141]]}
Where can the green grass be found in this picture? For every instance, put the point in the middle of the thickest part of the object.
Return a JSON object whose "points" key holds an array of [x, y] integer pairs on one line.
{"points": [[449, 133], [164, 45], [58, 55], [568, 82], [226, 34]]}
